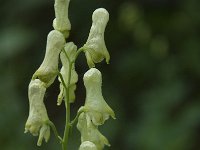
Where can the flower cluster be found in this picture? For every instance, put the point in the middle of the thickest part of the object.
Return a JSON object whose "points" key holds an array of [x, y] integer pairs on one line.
{"points": [[95, 111], [38, 121]]}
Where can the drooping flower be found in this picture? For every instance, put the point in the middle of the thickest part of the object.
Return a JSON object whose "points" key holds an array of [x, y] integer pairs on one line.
{"points": [[70, 50], [95, 106], [61, 22], [48, 70], [90, 132], [38, 118], [95, 47]]}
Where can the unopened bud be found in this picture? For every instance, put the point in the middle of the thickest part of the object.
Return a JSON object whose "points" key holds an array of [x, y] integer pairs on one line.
{"points": [[70, 49]]}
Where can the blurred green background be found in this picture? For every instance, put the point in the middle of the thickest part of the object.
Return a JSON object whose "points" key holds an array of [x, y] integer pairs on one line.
{"points": [[152, 82]]}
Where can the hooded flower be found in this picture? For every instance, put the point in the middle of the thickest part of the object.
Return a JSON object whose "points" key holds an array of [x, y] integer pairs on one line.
{"points": [[90, 132], [38, 118], [95, 48], [95, 106], [70, 50], [61, 22], [47, 71]]}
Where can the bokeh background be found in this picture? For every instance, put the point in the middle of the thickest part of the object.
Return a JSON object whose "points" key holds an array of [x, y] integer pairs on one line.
{"points": [[152, 82]]}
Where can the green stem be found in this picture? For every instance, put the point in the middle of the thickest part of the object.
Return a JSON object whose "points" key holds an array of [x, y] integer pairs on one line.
{"points": [[77, 115], [67, 103], [62, 80], [51, 124], [66, 55], [77, 53]]}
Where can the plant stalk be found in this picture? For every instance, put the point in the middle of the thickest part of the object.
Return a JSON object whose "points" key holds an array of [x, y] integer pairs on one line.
{"points": [[67, 101], [67, 106]]}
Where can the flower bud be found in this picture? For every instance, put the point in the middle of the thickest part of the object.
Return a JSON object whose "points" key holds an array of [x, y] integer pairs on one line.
{"points": [[70, 50], [87, 145], [61, 22], [95, 48], [49, 68], [95, 106], [90, 132], [37, 112]]}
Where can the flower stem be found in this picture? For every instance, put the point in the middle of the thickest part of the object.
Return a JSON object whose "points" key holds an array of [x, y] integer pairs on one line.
{"points": [[76, 118], [67, 100], [67, 105], [54, 130]]}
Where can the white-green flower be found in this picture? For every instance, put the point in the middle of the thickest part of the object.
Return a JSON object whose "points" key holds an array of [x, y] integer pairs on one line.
{"points": [[48, 70], [61, 22], [38, 118], [70, 50], [90, 132], [95, 106], [95, 47], [87, 145]]}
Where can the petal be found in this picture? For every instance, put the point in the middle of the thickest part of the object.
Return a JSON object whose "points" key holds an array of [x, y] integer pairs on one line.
{"points": [[87, 145], [44, 134], [89, 59], [90, 132]]}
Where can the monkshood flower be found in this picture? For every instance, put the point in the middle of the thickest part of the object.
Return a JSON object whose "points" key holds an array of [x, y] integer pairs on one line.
{"points": [[48, 70], [95, 48], [38, 118], [90, 132], [95, 106], [70, 50], [61, 22], [87, 145]]}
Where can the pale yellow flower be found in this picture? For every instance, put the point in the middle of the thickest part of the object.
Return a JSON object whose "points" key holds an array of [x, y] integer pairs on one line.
{"points": [[95, 106], [48, 70], [90, 132], [38, 118], [95, 47], [61, 22]]}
